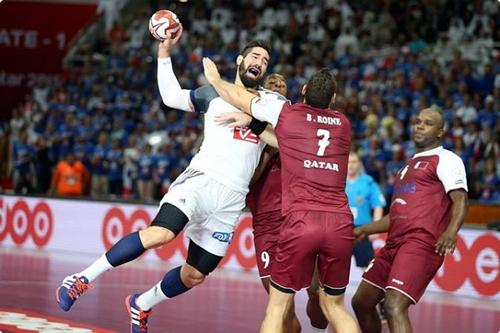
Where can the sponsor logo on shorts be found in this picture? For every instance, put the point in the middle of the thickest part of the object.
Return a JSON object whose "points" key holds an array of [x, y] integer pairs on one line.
{"points": [[396, 281], [224, 237]]}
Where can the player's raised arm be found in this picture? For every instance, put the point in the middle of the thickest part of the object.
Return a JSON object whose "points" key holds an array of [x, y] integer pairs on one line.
{"points": [[231, 93], [260, 128], [170, 90]]}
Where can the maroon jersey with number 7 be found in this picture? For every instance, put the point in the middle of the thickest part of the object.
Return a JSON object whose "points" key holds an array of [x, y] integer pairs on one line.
{"points": [[314, 148]]}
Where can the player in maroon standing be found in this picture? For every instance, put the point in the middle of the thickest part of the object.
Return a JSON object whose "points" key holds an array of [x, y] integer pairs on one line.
{"points": [[428, 207], [264, 201], [314, 144]]}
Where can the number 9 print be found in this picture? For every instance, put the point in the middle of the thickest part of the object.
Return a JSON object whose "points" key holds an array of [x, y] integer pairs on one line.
{"points": [[264, 257]]}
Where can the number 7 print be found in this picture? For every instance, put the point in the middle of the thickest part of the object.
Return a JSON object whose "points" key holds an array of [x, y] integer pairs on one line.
{"points": [[323, 142]]}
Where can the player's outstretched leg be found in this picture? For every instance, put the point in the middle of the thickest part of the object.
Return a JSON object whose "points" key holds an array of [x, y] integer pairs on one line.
{"points": [[200, 263], [166, 225], [396, 306], [364, 303], [177, 281], [334, 310], [127, 249]]}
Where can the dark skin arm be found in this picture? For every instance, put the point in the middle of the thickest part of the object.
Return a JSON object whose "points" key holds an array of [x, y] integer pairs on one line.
{"points": [[264, 160], [447, 241], [374, 227]]}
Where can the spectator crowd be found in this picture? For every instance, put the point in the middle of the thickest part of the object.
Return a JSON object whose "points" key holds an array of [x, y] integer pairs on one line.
{"points": [[104, 122]]}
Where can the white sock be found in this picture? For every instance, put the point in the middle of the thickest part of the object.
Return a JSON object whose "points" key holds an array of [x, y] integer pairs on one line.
{"points": [[151, 297], [318, 330], [98, 267]]}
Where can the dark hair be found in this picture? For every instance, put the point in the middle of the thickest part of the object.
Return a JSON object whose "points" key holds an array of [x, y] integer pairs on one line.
{"points": [[320, 89], [256, 43], [273, 76]]}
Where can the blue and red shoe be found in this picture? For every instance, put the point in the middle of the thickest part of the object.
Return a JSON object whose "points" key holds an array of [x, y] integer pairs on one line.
{"points": [[71, 288], [138, 317]]}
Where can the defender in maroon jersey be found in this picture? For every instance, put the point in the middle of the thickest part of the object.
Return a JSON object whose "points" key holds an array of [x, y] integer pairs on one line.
{"points": [[314, 144], [264, 201], [428, 207]]}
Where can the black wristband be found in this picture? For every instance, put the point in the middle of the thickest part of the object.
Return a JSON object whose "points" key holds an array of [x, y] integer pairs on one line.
{"points": [[257, 126]]}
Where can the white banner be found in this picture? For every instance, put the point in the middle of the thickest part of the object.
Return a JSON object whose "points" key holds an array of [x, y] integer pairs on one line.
{"points": [[92, 228]]}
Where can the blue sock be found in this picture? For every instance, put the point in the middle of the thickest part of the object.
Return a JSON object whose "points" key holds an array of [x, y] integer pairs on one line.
{"points": [[172, 285], [127, 249]]}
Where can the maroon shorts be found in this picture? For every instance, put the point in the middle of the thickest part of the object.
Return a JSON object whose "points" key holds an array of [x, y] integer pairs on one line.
{"points": [[305, 236], [407, 268], [266, 231]]}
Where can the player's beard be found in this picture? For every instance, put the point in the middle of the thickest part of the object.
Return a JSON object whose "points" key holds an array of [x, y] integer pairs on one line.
{"points": [[247, 81]]}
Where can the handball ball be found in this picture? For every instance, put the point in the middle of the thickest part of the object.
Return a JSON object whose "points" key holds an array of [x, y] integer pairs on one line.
{"points": [[164, 24]]}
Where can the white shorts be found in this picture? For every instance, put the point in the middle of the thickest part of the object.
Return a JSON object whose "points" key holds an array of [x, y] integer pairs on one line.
{"points": [[213, 209]]}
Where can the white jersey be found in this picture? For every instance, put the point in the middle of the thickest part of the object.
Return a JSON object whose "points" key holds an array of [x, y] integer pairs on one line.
{"points": [[229, 155]]}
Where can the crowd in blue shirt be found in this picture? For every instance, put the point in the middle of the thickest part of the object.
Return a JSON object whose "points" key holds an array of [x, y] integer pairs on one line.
{"points": [[390, 58]]}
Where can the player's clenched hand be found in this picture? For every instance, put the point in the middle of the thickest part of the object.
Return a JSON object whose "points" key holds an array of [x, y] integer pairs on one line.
{"points": [[165, 47], [359, 234], [210, 70], [446, 243], [233, 119]]}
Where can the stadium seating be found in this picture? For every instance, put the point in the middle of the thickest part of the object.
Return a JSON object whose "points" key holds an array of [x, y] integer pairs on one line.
{"points": [[390, 58]]}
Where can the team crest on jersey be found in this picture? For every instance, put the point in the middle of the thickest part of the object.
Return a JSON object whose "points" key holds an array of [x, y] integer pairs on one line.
{"points": [[421, 165], [245, 134]]}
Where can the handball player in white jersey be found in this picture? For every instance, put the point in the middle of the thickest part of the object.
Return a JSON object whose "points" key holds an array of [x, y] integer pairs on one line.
{"points": [[207, 198]]}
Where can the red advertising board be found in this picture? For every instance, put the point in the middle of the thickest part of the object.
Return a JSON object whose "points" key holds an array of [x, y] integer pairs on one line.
{"points": [[34, 37], [473, 270]]}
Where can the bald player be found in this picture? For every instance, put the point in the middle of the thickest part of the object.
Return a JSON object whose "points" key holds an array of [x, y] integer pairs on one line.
{"points": [[427, 209]]}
